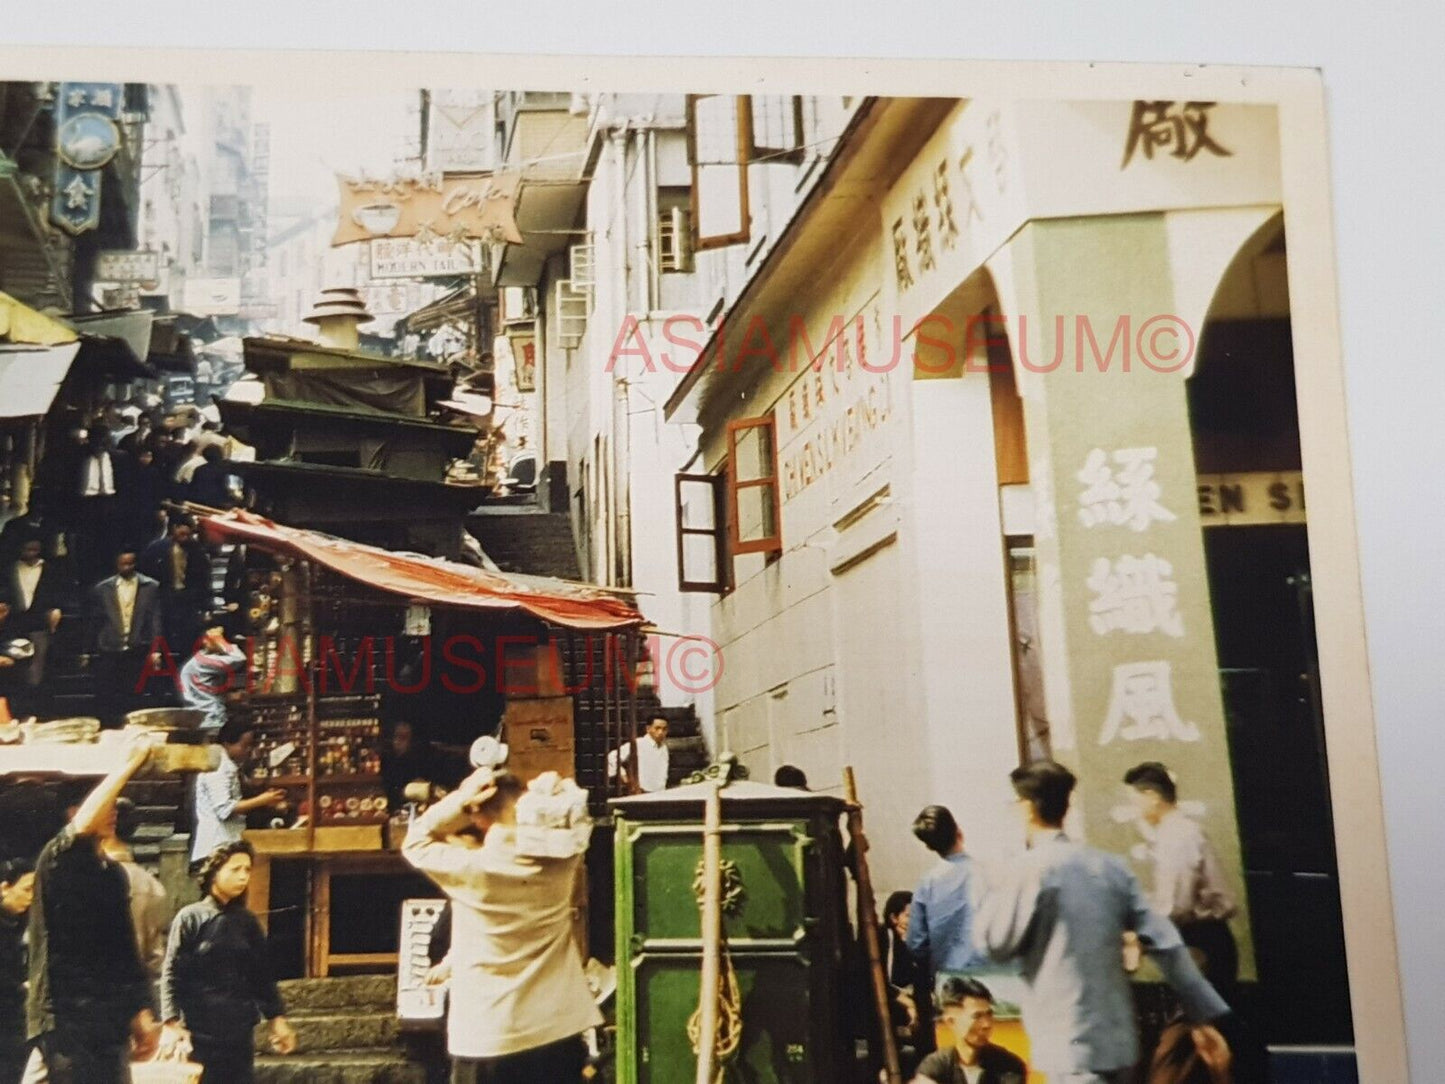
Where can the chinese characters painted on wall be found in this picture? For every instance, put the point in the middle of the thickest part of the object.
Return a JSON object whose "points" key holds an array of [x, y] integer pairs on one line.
{"points": [[1133, 594], [1141, 706], [945, 207], [1180, 128], [1125, 493]]}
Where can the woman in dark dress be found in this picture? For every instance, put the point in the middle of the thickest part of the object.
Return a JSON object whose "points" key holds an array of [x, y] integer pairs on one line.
{"points": [[216, 984]]}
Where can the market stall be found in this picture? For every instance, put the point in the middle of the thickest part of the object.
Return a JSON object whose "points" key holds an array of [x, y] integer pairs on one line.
{"points": [[344, 642]]}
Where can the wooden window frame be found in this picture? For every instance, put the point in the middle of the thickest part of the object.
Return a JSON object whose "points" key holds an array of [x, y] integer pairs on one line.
{"points": [[743, 108], [772, 543], [792, 154], [718, 532]]}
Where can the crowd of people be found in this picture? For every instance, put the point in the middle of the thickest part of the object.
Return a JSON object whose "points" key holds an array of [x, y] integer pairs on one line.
{"points": [[95, 974], [99, 568], [1071, 923]]}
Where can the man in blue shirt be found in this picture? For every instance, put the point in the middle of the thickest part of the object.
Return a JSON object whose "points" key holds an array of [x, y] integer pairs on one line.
{"points": [[940, 918]]}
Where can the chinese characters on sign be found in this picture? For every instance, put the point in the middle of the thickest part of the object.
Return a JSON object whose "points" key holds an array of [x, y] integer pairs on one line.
{"points": [[1132, 594], [1181, 128], [1123, 494], [1141, 706], [457, 207], [944, 208], [86, 139]]}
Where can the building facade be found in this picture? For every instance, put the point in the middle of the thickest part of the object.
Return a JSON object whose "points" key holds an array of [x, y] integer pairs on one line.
{"points": [[1000, 460]]}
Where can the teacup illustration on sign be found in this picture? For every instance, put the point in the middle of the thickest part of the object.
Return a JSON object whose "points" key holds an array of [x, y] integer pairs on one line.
{"points": [[377, 218]]}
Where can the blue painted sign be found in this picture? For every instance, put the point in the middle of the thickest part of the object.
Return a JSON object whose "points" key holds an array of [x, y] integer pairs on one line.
{"points": [[86, 139]]}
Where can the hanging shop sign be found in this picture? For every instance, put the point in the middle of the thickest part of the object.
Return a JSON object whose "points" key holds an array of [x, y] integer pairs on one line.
{"points": [[524, 355], [127, 268], [408, 258], [457, 207], [86, 139]]}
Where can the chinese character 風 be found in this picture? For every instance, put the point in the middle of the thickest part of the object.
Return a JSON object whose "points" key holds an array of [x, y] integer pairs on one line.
{"points": [[1141, 706]]}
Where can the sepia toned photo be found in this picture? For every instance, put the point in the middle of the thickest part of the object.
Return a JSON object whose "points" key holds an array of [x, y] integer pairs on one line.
{"points": [[668, 571]]}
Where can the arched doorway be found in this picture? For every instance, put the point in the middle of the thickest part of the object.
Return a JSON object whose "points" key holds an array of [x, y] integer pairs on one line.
{"points": [[1245, 433]]}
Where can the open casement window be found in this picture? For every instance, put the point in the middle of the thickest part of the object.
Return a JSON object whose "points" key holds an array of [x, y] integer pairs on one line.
{"points": [[754, 499], [702, 538], [777, 128], [719, 142]]}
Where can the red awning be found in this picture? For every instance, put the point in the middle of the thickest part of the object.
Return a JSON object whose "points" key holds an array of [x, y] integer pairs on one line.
{"points": [[430, 580]]}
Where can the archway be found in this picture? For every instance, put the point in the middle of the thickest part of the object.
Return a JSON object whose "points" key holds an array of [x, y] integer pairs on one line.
{"points": [[1245, 434]]}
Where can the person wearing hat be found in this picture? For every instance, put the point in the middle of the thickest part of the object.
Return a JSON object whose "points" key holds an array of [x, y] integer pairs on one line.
{"points": [[519, 999]]}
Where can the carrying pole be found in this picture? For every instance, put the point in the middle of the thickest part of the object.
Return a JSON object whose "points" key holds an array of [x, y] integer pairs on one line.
{"points": [[868, 927], [711, 937]]}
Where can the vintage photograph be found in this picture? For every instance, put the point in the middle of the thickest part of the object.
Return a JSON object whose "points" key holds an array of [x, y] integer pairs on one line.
{"points": [[743, 576]]}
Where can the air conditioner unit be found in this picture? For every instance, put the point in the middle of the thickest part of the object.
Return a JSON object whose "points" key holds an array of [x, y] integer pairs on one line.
{"points": [[582, 258], [674, 241], [571, 311]]}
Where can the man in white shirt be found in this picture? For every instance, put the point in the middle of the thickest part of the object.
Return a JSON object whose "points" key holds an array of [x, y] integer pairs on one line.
{"points": [[96, 503], [35, 593], [1189, 886], [220, 809], [519, 996], [652, 758]]}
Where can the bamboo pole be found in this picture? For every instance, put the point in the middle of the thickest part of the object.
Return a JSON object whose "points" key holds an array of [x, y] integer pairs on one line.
{"points": [[711, 937], [868, 927]]}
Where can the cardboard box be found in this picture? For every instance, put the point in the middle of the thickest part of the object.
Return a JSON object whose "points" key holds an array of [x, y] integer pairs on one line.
{"points": [[540, 736]]}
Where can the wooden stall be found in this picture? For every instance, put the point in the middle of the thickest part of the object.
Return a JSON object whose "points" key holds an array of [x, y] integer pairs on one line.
{"points": [[344, 638]]}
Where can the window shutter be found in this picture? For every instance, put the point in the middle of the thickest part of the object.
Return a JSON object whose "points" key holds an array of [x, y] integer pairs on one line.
{"points": [[776, 128], [702, 557], [754, 500], [719, 142]]}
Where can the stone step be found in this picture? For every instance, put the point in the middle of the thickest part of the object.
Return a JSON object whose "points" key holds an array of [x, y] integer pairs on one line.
{"points": [[155, 792], [316, 1032], [362, 993], [364, 1067]]}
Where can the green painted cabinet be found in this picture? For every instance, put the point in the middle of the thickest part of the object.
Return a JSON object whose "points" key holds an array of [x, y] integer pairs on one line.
{"points": [[785, 926]]}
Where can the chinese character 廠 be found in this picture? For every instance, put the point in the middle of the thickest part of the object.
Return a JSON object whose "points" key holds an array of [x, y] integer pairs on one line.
{"points": [[1183, 131]]}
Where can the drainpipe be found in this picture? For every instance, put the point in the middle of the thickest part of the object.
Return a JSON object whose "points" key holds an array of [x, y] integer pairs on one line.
{"points": [[619, 571]]}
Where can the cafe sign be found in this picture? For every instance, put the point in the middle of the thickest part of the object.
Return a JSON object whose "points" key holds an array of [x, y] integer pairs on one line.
{"points": [[455, 207]]}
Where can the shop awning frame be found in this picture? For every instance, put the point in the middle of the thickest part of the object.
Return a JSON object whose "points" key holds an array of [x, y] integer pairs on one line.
{"points": [[432, 581], [31, 376]]}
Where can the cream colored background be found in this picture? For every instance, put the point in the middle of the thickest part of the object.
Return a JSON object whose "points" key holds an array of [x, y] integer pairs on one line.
{"points": [[1384, 139]]}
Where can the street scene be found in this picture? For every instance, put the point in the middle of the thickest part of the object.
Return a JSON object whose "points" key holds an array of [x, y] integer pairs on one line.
{"points": [[505, 585]]}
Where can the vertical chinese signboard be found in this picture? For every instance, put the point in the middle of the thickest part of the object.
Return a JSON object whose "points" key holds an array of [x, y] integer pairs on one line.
{"points": [[1131, 663], [86, 139]]}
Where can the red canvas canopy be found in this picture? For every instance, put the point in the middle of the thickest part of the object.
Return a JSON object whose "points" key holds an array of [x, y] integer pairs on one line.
{"points": [[430, 580]]}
